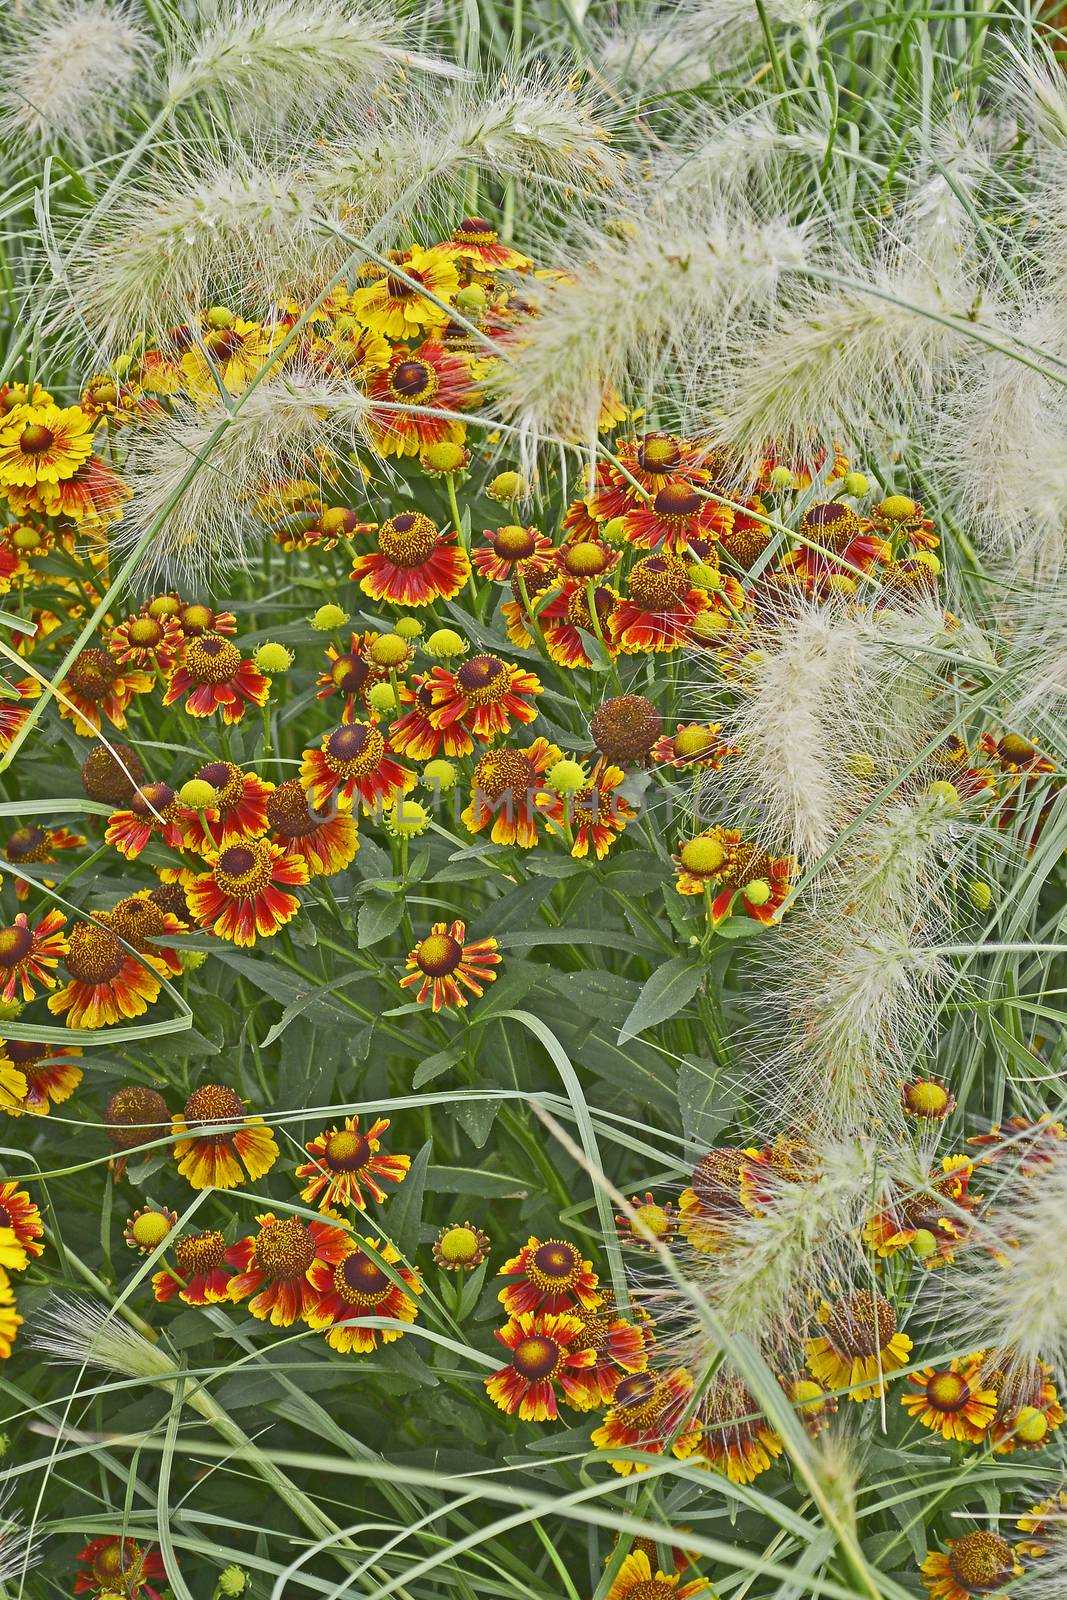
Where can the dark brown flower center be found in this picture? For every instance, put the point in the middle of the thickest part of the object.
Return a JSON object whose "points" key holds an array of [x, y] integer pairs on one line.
{"points": [[716, 1178], [285, 1249], [658, 583], [408, 540], [94, 955], [211, 659], [535, 1358], [503, 772], [135, 1115], [346, 1150], [27, 844], [483, 679], [438, 955], [861, 1325], [136, 919], [150, 799], [832, 524], [15, 945], [245, 869], [93, 674], [355, 749], [36, 439], [361, 1281], [677, 500], [349, 672], [414, 381]]}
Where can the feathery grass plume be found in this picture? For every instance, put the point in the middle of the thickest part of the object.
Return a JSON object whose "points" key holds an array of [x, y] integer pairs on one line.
{"points": [[197, 477], [652, 284], [795, 1230], [726, 153], [66, 69], [1035, 662], [82, 1332], [1003, 1295], [20, 1549], [664, 52], [854, 978], [998, 444], [276, 59], [236, 235], [801, 719], [867, 349]]}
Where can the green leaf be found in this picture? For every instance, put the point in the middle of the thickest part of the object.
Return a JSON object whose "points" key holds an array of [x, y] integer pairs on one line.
{"points": [[311, 998], [434, 1065], [405, 1207], [475, 1117], [668, 991], [706, 1100], [379, 916]]}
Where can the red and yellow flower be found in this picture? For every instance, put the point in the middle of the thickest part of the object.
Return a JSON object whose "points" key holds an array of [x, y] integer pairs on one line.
{"points": [[107, 984], [475, 244], [29, 956], [141, 922], [20, 1216], [647, 1416], [546, 1351], [35, 1077], [148, 642], [414, 564], [355, 760], [660, 607], [415, 735], [1028, 1406], [860, 1345], [844, 542], [43, 444], [345, 1161], [677, 515], [639, 1578], [238, 811], [213, 676], [326, 845], [13, 713], [274, 1266], [1029, 1145], [244, 893], [443, 966], [485, 694], [36, 846], [552, 1277], [693, 745], [620, 1347], [736, 1438], [928, 1099], [510, 548], [647, 464], [399, 309], [357, 1285], [979, 1563], [433, 380], [579, 608], [1044, 1525], [595, 815], [154, 810], [218, 1146], [200, 1276], [507, 790], [733, 868], [711, 1206], [935, 1210], [97, 687], [954, 1401], [120, 1566]]}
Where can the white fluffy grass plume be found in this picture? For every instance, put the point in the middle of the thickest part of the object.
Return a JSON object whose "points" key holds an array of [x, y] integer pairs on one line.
{"points": [[198, 477], [778, 1252], [647, 295], [65, 69], [1003, 1295], [246, 230], [855, 976], [278, 59]]}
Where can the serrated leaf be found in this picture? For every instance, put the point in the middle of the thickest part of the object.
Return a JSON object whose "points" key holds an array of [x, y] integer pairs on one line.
{"points": [[668, 991]]}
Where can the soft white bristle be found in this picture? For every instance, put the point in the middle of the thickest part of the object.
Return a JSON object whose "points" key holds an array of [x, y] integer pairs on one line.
{"points": [[66, 69]]}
